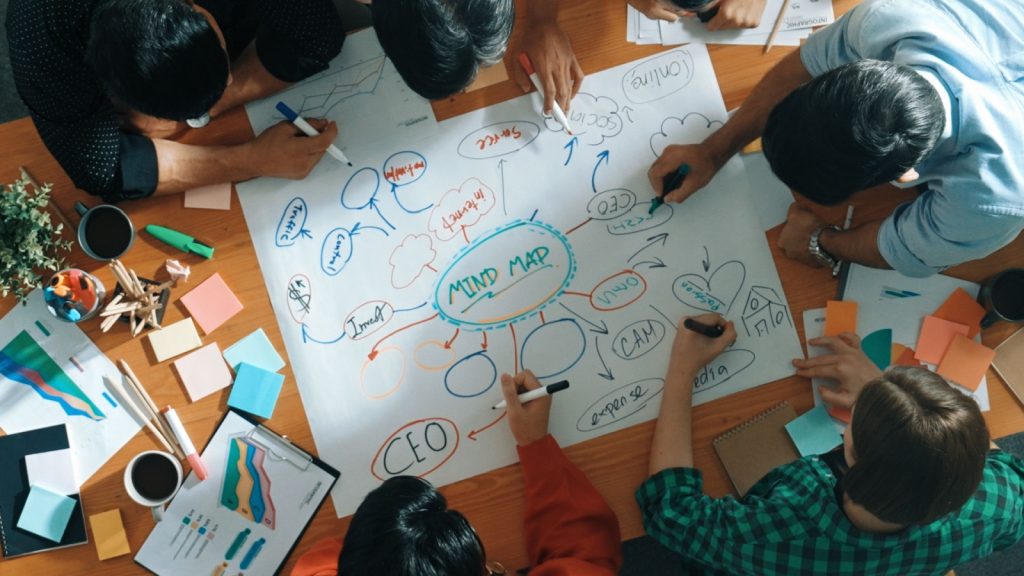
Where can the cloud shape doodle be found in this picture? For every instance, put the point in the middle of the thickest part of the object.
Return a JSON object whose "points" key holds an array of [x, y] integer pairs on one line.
{"points": [[690, 129], [593, 118]]}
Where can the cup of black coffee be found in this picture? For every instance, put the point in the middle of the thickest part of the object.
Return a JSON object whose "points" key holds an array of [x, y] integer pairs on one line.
{"points": [[152, 478], [105, 231], [1003, 297]]}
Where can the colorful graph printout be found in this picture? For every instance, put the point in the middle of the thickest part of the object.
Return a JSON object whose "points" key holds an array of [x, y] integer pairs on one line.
{"points": [[23, 361], [246, 488]]}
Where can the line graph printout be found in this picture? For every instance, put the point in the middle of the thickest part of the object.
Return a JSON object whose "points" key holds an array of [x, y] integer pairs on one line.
{"points": [[52, 373], [362, 92], [405, 286]]}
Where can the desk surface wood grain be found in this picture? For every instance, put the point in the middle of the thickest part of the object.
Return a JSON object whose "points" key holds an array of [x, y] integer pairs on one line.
{"points": [[616, 463]]}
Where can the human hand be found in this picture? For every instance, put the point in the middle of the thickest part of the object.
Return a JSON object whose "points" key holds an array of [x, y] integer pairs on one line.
{"points": [[691, 350], [285, 152], [528, 422], [796, 235], [656, 10], [737, 14], [552, 57], [151, 126], [703, 168], [847, 365]]}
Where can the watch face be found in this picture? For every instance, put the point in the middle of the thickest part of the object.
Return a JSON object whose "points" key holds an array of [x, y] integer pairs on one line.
{"points": [[199, 122]]}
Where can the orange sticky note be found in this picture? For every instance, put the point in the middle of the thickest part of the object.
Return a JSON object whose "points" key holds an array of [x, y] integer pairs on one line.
{"points": [[962, 309], [842, 414], [965, 362], [840, 316], [936, 335], [211, 303], [108, 534], [906, 358]]}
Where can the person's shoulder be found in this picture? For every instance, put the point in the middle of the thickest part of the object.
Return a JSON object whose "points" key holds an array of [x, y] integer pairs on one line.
{"points": [[1001, 490]]}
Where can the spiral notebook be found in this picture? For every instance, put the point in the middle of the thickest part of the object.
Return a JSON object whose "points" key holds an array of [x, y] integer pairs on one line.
{"points": [[756, 447], [1009, 363]]}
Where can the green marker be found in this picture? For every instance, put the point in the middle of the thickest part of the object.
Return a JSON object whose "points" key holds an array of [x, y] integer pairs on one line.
{"points": [[179, 240], [671, 181]]}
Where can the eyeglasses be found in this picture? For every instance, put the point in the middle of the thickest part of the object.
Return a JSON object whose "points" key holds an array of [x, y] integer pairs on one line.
{"points": [[494, 569]]}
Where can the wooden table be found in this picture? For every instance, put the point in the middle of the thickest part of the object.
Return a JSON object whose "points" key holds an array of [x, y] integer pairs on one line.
{"points": [[617, 463]]}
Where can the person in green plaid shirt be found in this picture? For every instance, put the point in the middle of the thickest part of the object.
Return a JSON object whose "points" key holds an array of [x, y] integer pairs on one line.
{"points": [[915, 488]]}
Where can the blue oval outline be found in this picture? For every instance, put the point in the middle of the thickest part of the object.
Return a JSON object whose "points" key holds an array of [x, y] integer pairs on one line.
{"points": [[351, 249], [583, 337], [349, 181], [494, 379], [284, 214], [384, 168]]}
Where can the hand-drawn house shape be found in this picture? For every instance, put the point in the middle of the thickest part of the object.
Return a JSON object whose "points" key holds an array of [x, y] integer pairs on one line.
{"points": [[764, 311]]}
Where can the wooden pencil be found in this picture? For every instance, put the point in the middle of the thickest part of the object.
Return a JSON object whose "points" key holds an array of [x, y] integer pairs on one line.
{"points": [[777, 26], [134, 382], [129, 405]]}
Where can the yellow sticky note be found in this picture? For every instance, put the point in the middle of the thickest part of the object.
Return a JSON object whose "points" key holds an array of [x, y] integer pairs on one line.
{"points": [[966, 362], [108, 534], [840, 316], [175, 339]]}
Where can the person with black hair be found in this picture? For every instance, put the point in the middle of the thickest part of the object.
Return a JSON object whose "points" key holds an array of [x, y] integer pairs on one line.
{"points": [[107, 81], [917, 488], [920, 93], [437, 46], [716, 14], [404, 527]]}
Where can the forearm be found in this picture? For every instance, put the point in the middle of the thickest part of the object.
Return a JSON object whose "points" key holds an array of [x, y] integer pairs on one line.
{"points": [[541, 11], [858, 244], [183, 167], [672, 446], [250, 81], [748, 122]]}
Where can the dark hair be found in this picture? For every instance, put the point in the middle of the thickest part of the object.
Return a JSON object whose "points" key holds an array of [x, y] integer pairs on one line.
{"points": [[437, 45], [920, 447], [852, 128], [404, 528], [159, 57], [691, 5]]}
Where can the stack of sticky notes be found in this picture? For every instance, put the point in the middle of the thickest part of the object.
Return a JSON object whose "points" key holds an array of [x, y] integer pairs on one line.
{"points": [[108, 532], [840, 317], [53, 470], [212, 303], [46, 513], [174, 339], [946, 340], [203, 372], [254, 349], [255, 390]]}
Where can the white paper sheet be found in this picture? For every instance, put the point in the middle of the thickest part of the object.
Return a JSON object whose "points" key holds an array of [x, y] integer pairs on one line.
{"points": [[801, 15], [97, 425], [405, 286]]}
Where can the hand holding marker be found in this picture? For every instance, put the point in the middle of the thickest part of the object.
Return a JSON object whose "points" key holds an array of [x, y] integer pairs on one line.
{"points": [[709, 330], [556, 110], [308, 130], [535, 394], [671, 181]]}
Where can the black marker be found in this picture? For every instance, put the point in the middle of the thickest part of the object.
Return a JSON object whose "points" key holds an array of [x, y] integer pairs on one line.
{"points": [[713, 331], [671, 181], [535, 394]]}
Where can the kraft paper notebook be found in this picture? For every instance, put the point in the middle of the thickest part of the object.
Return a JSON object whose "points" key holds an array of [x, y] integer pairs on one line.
{"points": [[756, 447], [1009, 363]]}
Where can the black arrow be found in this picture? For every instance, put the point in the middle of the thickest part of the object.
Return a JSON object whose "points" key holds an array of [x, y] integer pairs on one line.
{"points": [[663, 238], [602, 329], [607, 374], [501, 171], [707, 260], [651, 264]]}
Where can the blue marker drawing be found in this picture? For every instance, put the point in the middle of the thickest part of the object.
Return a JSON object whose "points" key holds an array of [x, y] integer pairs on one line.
{"points": [[365, 182], [306, 338], [292, 224], [475, 381], [570, 147], [336, 251], [404, 168], [601, 157]]}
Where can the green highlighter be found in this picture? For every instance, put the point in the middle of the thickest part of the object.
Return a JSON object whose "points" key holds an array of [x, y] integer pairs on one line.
{"points": [[180, 240]]}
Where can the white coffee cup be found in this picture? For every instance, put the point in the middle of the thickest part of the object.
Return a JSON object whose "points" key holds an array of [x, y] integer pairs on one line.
{"points": [[152, 478]]}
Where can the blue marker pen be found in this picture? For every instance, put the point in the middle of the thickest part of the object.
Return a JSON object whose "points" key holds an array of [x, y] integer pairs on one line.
{"points": [[251, 554], [308, 130]]}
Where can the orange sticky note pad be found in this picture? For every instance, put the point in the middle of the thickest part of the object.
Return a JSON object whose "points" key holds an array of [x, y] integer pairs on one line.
{"points": [[962, 309], [211, 303], [840, 316], [842, 414], [108, 533], [936, 335], [965, 362]]}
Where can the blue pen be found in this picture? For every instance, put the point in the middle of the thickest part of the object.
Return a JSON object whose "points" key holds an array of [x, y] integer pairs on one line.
{"points": [[251, 554], [671, 181], [308, 130]]}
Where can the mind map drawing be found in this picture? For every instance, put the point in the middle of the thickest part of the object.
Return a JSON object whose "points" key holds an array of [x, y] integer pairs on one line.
{"points": [[407, 284]]}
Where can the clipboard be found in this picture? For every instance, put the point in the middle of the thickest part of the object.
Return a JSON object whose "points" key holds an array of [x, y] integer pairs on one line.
{"points": [[236, 518]]}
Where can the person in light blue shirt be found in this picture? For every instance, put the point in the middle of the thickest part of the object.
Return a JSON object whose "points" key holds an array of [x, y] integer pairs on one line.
{"points": [[923, 93]]}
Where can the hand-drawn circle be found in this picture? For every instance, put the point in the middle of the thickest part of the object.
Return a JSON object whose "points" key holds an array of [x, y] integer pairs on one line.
{"points": [[638, 338], [556, 345], [504, 276], [721, 369], [611, 204], [716, 293], [368, 318], [292, 224], [300, 297], [619, 404], [471, 376], [403, 159], [658, 77], [638, 219], [429, 364], [376, 377], [360, 189], [498, 139], [336, 251], [618, 291], [428, 432]]}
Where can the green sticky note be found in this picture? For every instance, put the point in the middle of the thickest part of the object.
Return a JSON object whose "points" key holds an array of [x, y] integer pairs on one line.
{"points": [[255, 390], [46, 513], [878, 347]]}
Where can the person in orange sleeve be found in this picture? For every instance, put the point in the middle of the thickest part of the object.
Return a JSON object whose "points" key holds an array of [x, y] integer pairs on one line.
{"points": [[405, 528]]}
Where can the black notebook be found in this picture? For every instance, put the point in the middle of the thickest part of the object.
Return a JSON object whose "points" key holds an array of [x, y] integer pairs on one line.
{"points": [[14, 489]]}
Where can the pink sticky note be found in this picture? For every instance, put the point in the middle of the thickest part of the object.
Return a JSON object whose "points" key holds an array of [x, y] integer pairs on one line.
{"points": [[936, 335], [211, 303], [966, 362], [203, 372], [212, 197]]}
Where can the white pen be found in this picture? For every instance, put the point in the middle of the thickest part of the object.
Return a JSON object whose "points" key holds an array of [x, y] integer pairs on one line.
{"points": [[185, 442], [846, 226], [308, 130], [556, 110], [535, 394]]}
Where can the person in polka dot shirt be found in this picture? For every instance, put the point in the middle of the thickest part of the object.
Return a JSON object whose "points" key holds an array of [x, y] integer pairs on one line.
{"points": [[108, 81]]}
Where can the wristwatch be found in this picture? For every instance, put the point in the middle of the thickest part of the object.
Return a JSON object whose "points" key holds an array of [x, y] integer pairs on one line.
{"points": [[200, 121], [819, 253]]}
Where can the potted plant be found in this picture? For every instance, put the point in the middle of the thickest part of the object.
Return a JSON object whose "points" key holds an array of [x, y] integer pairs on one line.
{"points": [[30, 244]]}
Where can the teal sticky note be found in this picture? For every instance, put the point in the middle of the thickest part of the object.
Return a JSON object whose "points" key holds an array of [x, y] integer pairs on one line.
{"points": [[878, 347], [46, 513], [255, 390], [254, 349], [814, 432]]}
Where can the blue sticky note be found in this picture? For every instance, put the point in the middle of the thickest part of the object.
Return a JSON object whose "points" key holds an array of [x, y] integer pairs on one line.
{"points": [[254, 349], [46, 513], [814, 432], [255, 390]]}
